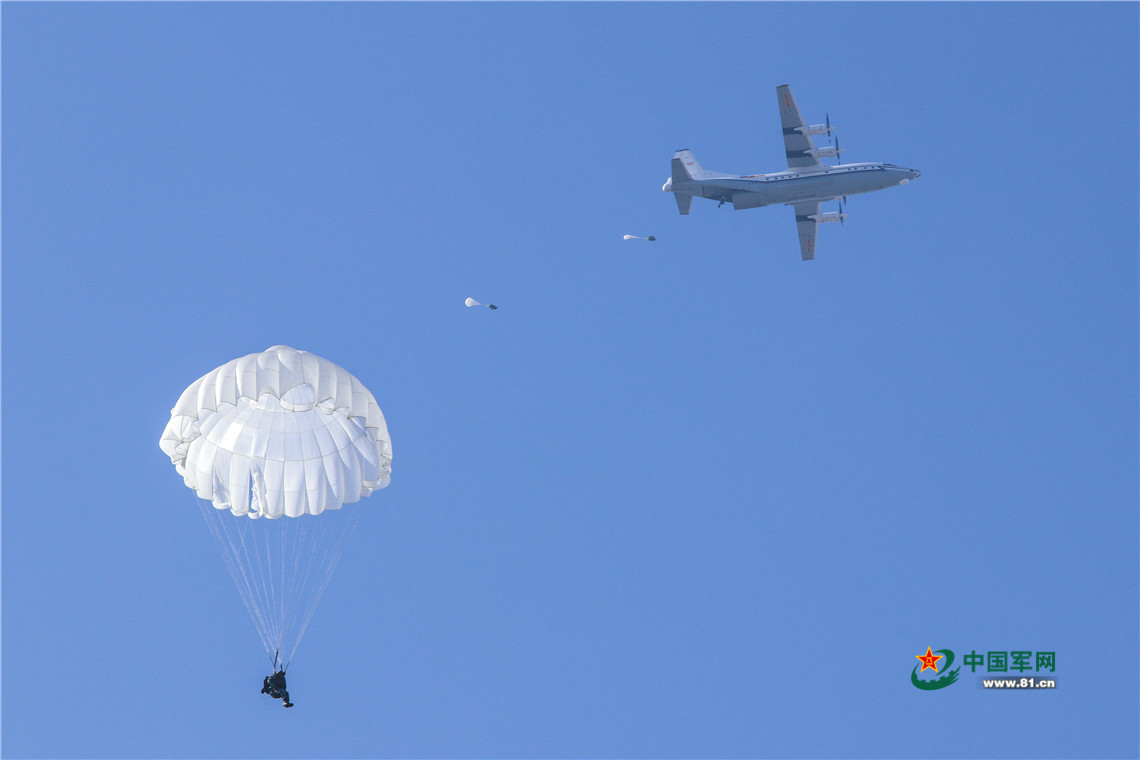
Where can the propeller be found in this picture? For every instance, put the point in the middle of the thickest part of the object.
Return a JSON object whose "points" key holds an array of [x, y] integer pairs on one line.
{"points": [[842, 215], [838, 153]]}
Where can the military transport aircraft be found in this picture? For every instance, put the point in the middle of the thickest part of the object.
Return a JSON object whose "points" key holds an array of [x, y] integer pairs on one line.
{"points": [[805, 185]]}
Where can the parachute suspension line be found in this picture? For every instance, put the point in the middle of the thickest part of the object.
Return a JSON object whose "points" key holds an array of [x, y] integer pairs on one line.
{"points": [[315, 583], [256, 548], [281, 567], [330, 536], [256, 558], [300, 565], [241, 574]]}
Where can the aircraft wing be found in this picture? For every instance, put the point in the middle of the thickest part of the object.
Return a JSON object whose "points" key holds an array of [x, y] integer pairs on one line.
{"points": [[797, 145], [807, 227]]}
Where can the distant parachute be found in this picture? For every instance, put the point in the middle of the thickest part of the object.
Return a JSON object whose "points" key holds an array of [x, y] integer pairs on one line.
{"points": [[279, 434], [638, 237], [472, 302]]}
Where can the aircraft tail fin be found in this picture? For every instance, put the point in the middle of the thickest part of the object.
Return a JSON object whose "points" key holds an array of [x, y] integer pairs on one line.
{"points": [[685, 167]]}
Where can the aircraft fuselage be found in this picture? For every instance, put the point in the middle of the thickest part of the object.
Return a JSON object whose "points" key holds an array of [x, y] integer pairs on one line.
{"points": [[794, 186]]}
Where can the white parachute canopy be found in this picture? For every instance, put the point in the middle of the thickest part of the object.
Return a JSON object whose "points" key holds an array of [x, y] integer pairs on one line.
{"points": [[279, 434]]}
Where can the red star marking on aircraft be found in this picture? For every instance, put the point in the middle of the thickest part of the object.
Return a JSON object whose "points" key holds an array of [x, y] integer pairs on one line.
{"points": [[929, 660]]}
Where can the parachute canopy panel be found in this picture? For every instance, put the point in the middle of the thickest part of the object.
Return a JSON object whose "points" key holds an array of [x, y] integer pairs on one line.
{"points": [[279, 433]]}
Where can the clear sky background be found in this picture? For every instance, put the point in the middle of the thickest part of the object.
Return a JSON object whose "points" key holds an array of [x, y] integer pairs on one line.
{"points": [[688, 498]]}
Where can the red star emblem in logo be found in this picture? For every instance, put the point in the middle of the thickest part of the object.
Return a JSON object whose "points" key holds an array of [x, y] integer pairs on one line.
{"points": [[929, 660]]}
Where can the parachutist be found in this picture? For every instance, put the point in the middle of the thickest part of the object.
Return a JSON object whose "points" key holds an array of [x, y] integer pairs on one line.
{"points": [[318, 416], [274, 686], [472, 302], [651, 238]]}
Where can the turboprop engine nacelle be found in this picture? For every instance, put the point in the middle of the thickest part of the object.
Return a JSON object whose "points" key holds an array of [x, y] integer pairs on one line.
{"points": [[828, 216], [830, 151], [817, 129]]}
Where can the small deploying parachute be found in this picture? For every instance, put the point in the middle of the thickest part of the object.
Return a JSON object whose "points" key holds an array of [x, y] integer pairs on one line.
{"points": [[472, 302], [274, 444], [638, 237]]}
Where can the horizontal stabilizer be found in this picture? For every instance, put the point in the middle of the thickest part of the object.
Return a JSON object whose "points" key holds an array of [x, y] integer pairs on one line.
{"points": [[684, 201]]}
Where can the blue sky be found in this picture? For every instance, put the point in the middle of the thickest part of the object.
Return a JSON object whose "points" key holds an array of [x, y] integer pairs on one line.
{"points": [[689, 498]]}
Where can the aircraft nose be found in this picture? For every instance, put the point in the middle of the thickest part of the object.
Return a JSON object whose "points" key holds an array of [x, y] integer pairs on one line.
{"points": [[668, 186]]}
